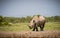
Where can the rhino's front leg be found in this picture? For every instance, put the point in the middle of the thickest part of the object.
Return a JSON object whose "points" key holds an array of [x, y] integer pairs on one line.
{"points": [[35, 27]]}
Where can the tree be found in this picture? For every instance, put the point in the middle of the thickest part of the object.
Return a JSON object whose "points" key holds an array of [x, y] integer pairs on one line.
{"points": [[1, 20]]}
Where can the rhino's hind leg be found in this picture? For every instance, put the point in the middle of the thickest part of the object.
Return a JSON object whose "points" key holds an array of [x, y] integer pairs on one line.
{"points": [[41, 27]]}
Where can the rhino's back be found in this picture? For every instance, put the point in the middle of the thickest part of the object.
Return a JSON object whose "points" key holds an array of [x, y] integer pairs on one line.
{"points": [[40, 18]]}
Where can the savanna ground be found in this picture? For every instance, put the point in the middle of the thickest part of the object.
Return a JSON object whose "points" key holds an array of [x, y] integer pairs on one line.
{"points": [[21, 30]]}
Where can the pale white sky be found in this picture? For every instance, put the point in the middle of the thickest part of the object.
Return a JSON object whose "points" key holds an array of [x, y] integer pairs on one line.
{"points": [[21, 8]]}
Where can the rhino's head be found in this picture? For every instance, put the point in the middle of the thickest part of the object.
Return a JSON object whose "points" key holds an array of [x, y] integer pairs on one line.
{"points": [[31, 24]]}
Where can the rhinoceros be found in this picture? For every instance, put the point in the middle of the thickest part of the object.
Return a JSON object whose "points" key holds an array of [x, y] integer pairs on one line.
{"points": [[37, 21]]}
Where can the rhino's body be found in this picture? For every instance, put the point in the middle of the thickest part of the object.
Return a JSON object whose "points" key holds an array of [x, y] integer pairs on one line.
{"points": [[39, 21]]}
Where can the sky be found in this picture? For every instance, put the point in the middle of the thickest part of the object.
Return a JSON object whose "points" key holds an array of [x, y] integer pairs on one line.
{"points": [[21, 8]]}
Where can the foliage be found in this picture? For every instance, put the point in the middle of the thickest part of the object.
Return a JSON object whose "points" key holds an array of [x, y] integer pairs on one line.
{"points": [[53, 19], [3, 21], [6, 20], [19, 24]]}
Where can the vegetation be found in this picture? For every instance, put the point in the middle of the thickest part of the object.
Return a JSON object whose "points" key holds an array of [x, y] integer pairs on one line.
{"points": [[20, 24], [3, 21], [27, 19]]}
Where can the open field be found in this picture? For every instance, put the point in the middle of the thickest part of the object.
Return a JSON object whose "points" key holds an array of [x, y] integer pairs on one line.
{"points": [[21, 30], [24, 27]]}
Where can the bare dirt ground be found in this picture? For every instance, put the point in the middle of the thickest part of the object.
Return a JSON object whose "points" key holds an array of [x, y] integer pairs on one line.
{"points": [[30, 34]]}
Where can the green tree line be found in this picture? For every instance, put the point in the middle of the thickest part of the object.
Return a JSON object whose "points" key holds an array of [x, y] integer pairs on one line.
{"points": [[6, 20]]}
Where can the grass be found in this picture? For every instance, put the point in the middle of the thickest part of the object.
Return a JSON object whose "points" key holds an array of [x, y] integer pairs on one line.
{"points": [[24, 27], [52, 26]]}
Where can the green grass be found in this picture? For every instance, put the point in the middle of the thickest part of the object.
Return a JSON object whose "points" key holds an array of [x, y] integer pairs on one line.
{"points": [[52, 26], [24, 27]]}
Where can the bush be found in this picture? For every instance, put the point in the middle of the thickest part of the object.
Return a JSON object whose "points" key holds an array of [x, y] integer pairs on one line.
{"points": [[5, 23]]}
